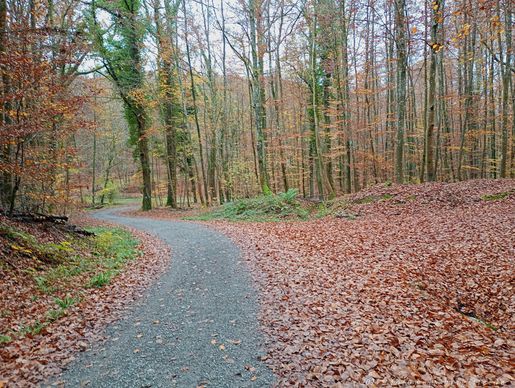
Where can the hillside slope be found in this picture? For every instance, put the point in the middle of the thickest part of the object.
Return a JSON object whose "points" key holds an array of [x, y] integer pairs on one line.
{"points": [[60, 289], [413, 284]]}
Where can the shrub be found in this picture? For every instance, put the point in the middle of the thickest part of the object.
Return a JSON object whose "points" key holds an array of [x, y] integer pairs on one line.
{"points": [[108, 193], [262, 208]]}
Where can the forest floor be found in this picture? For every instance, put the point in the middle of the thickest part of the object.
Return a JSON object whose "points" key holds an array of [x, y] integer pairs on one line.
{"points": [[395, 285], [402, 284]]}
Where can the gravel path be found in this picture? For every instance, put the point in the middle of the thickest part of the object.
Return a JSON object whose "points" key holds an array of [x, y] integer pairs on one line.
{"points": [[197, 326]]}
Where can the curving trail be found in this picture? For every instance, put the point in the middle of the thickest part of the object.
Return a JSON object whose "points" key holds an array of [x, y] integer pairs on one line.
{"points": [[197, 326]]}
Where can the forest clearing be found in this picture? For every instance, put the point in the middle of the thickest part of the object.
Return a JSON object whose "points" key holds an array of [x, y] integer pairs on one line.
{"points": [[220, 193]]}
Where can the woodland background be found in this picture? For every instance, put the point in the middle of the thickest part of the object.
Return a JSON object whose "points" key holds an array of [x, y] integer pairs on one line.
{"points": [[201, 101]]}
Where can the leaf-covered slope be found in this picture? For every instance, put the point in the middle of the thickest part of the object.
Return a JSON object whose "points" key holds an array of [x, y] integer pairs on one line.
{"points": [[417, 288], [59, 291]]}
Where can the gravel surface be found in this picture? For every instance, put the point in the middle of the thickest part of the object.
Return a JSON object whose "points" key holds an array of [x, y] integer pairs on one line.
{"points": [[197, 326]]}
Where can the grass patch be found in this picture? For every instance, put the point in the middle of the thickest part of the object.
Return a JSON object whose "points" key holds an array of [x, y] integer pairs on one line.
{"points": [[15, 234], [4, 339], [116, 201], [487, 324], [475, 318], [109, 249], [43, 286], [322, 210], [114, 247], [373, 198], [281, 207], [277, 207], [66, 302], [54, 314], [25, 244], [100, 280], [497, 196], [33, 329]]}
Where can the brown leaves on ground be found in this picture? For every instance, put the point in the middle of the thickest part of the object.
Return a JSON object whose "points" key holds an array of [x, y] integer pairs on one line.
{"points": [[167, 213], [30, 360], [417, 289]]}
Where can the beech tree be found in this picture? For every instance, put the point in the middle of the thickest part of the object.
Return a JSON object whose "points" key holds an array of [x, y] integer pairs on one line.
{"points": [[118, 47], [41, 49]]}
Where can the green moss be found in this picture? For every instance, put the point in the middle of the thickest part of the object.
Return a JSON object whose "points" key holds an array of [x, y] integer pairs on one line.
{"points": [[497, 196], [373, 198]]}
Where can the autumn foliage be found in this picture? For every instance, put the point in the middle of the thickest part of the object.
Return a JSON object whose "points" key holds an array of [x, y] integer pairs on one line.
{"points": [[39, 110]]}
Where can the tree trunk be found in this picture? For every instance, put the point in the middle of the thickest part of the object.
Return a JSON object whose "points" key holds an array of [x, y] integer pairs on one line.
{"points": [[435, 48], [258, 91], [400, 28]]}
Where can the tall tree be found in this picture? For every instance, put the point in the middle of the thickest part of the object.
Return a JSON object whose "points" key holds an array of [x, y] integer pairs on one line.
{"points": [[119, 48], [437, 17], [257, 50], [168, 99], [402, 64]]}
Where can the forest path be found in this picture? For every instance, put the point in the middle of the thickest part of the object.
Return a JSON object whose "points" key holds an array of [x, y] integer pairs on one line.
{"points": [[173, 336]]}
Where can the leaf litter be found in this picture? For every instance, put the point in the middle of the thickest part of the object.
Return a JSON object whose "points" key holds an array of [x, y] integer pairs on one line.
{"points": [[417, 289]]}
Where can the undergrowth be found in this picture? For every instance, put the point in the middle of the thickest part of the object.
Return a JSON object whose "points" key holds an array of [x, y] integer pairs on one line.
{"points": [[62, 270], [271, 207], [280, 207], [496, 196]]}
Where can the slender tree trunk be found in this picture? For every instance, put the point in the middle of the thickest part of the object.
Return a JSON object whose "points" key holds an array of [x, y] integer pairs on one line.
{"points": [[169, 107], [435, 48], [506, 73], [5, 151], [204, 199], [468, 79], [400, 27], [94, 172], [315, 146], [258, 92], [492, 122]]}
